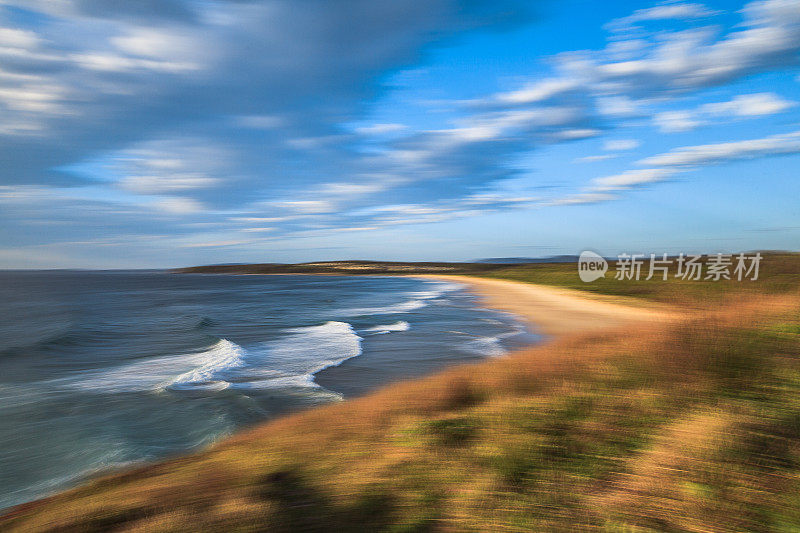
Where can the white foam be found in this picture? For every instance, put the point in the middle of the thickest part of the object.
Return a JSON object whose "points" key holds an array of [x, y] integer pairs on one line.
{"points": [[437, 289], [223, 356], [288, 362], [399, 308], [319, 347], [292, 361], [418, 300], [491, 345], [400, 325], [425, 295], [488, 346], [201, 369]]}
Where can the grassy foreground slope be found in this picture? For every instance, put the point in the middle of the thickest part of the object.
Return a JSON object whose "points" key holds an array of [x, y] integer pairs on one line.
{"points": [[688, 426]]}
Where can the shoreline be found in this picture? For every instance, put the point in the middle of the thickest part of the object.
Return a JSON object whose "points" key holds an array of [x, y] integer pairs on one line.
{"points": [[554, 312], [548, 312]]}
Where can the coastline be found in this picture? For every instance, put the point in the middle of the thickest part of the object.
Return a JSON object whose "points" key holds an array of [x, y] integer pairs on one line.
{"points": [[549, 311], [557, 312]]}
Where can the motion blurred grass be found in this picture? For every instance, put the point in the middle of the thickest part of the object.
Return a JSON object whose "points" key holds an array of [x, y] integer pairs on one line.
{"points": [[687, 426], [779, 273]]}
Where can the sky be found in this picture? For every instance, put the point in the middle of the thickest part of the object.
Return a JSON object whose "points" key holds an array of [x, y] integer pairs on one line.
{"points": [[165, 133]]}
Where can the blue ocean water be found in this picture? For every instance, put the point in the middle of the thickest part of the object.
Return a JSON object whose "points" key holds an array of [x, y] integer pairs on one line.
{"points": [[103, 369]]}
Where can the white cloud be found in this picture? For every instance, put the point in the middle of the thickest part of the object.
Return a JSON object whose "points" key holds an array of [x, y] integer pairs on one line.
{"points": [[406, 209], [15, 38], [684, 61], [593, 158], [652, 68], [119, 63], [583, 198], [749, 105], [351, 189], [745, 105], [473, 205], [662, 12], [259, 122], [156, 44], [788, 143], [34, 98], [620, 145], [306, 207], [680, 160], [164, 167], [355, 228], [627, 48], [676, 121], [631, 178], [259, 230], [539, 91], [25, 193], [261, 220], [177, 205], [493, 200], [498, 124], [168, 183], [17, 129], [576, 134], [617, 106], [313, 143], [380, 129]]}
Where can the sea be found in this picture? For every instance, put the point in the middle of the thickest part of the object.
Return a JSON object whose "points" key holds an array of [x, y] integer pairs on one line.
{"points": [[104, 369]]}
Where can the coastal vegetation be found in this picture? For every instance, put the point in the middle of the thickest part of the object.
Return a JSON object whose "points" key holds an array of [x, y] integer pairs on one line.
{"points": [[686, 425]]}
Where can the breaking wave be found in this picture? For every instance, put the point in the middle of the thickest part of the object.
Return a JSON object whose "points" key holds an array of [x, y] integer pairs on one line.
{"points": [[206, 368], [400, 325], [418, 300], [292, 361]]}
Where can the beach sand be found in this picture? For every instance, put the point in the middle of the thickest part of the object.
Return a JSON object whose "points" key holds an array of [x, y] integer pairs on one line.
{"points": [[557, 312]]}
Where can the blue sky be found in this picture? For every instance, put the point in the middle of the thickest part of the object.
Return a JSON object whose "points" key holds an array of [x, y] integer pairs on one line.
{"points": [[176, 132]]}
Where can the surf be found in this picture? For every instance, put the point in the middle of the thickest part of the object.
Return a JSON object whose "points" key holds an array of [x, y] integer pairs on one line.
{"points": [[292, 361]]}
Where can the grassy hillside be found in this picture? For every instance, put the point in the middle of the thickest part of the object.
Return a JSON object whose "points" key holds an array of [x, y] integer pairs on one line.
{"points": [[345, 267], [691, 426], [779, 273]]}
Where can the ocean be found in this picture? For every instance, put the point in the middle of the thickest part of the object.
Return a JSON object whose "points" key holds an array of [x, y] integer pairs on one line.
{"points": [[103, 369]]}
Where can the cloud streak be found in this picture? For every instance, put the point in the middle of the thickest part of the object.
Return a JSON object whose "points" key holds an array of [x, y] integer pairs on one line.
{"points": [[718, 153], [669, 164], [741, 106]]}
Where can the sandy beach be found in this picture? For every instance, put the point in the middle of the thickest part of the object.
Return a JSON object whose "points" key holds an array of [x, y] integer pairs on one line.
{"points": [[556, 312]]}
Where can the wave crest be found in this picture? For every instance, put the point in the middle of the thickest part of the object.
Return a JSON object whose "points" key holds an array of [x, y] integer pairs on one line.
{"points": [[222, 357], [400, 325]]}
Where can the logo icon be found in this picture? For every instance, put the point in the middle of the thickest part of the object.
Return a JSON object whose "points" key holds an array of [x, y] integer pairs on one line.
{"points": [[591, 266]]}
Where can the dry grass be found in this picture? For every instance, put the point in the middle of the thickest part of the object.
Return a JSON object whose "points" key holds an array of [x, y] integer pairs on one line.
{"points": [[690, 426]]}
